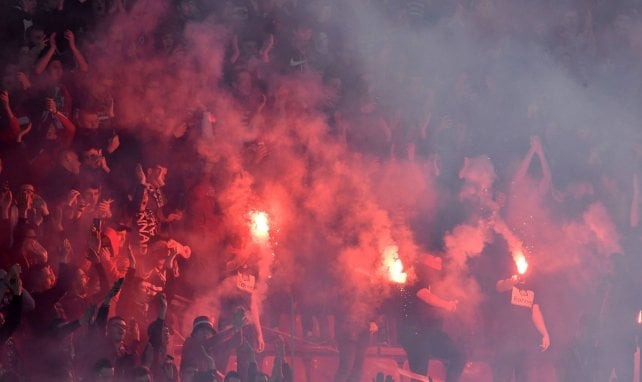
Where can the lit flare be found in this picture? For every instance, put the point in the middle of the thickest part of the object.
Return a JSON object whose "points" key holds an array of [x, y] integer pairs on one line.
{"points": [[260, 225], [520, 262], [392, 263]]}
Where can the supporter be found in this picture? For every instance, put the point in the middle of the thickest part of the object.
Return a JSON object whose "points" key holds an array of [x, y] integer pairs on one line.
{"points": [[15, 22]]}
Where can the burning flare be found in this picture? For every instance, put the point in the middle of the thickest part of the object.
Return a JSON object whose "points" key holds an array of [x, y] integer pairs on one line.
{"points": [[259, 225], [393, 264], [520, 262]]}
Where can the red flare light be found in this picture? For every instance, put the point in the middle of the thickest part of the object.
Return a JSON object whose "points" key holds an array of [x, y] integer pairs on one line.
{"points": [[393, 264], [260, 225], [520, 262]]}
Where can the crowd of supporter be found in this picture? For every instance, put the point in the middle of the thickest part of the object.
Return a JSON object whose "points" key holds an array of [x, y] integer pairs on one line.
{"points": [[108, 114]]}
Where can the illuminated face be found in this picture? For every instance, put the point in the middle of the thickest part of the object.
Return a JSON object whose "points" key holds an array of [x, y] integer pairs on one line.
{"points": [[167, 41], [92, 158], [27, 190], [45, 279], [55, 71], [302, 36], [117, 330], [91, 196], [80, 282], [157, 176], [33, 251], [88, 120], [36, 36], [28, 6], [71, 162]]}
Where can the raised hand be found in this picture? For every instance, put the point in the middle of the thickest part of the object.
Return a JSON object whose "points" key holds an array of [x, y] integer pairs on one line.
{"points": [[69, 36], [52, 41], [140, 174], [4, 98]]}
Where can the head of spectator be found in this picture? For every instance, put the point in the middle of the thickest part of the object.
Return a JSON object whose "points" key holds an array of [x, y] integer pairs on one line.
{"points": [[92, 158], [301, 34], [232, 376], [28, 6], [9, 79], [141, 374], [88, 118], [70, 162], [202, 328], [103, 371], [41, 278], [156, 176], [79, 283], [55, 71], [36, 36], [30, 248], [90, 194], [188, 9], [116, 329]]}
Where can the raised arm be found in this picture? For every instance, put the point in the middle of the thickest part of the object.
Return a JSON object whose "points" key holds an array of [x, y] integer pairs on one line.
{"points": [[256, 319], [432, 299], [82, 64], [43, 62]]}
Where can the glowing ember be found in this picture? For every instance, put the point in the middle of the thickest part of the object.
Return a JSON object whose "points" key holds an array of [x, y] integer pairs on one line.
{"points": [[520, 262], [260, 225], [394, 266]]}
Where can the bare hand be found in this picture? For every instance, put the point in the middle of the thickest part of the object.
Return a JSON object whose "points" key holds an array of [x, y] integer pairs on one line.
{"points": [[140, 174], [6, 199], [93, 257], [131, 257], [260, 343], [52, 41], [546, 343], [24, 80], [69, 35], [72, 197], [373, 327], [40, 205], [114, 143], [4, 98], [175, 216], [103, 209], [451, 306], [67, 251]]}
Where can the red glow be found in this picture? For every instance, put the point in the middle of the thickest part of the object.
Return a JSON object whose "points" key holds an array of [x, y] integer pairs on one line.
{"points": [[393, 264], [520, 262], [260, 226]]}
